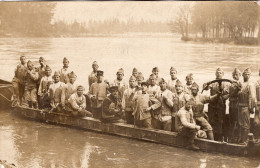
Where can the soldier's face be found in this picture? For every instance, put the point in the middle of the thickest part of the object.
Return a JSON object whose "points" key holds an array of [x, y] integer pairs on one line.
{"points": [[132, 83], [156, 72], [194, 91], [48, 72], [41, 61], [72, 79], [236, 76], [188, 106], [189, 80], [140, 80], [219, 74], [95, 67], [173, 74], [163, 85], [66, 63], [115, 93], [144, 88], [23, 60], [30, 66], [152, 80], [100, 78], [179, 89], [119, 76], [80, 91], [56, 78], [135, 74], [246, 76]]}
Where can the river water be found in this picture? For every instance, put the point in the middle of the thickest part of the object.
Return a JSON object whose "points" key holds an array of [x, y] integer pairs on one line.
{"points": [[31, 144]]}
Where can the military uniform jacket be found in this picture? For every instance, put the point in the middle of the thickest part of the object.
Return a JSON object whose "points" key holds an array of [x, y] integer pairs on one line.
{"points": [[92, 78], [166, 104], [246, 96], [56, 90], [20, 73], [184, 119], [141, 103], [179, 101], [110, 107], [171, 85], [233, 93], [31, 79], [41, 72], [64, 75], [198, 105], [45, 83], [187, 89], [122, 86], [153, 90], [128, 97], [100, 90], [77, 102], [69, 89], [258, 92]]}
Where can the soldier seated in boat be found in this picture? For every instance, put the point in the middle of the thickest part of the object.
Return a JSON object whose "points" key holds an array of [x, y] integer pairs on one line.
{"points": [[186, 126], [162, 117], [31, 79], [112, 107], [65, 70], [56, 90], [69, 88], [76, 105], [43, 91], [18, 81], [143, 105]]}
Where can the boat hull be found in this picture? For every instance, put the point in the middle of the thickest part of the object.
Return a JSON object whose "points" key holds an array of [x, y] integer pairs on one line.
{"points": [[129, 131], [6, 93]]}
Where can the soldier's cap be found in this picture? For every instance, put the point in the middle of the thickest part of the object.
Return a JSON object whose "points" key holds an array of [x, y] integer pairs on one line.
{"points": [[236, 71], [56, 73], [132, 78], [47, 67], [95, 63], [80, 87], [191, 101], [219, 69], [178, 83], [155, 69], [65, 59], [190, 75], [152, 76], [247, 70], [22, 56], [113, 88], [144, 83], [41, 58], [134, 70], [72, 75], [173, 69], [100, 73], [121, 70], [162, 80], [195, 85]]}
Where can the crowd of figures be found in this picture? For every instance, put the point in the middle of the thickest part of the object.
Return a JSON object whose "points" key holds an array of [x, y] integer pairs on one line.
{"points": [[153, 103]]}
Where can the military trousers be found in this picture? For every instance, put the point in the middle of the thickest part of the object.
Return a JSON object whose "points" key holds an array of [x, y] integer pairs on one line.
{"points": [[18, 90], [145, 123], [97, 112], [244, 117], [188, 135], [129, 117], [205, 126], [30, 95], [162, 125]]}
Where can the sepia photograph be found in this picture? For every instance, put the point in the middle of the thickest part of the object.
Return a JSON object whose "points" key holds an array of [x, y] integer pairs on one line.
{"points": [[129, 84]]}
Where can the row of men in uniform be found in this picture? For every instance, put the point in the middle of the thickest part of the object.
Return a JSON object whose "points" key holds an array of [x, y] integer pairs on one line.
{"points": [[154, 103]]}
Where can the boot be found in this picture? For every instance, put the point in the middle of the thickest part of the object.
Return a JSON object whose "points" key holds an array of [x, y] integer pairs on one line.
{"points": [[210, 135], [34, 104], [30, 104]]}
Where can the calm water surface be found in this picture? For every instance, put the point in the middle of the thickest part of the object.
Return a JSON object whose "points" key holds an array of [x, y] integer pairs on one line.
{"points": [[31, 144]]}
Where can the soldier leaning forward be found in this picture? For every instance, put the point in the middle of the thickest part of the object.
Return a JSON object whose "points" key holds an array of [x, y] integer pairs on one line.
{"points": [[97, 93], [31, 79], [162, 117], [143, 104], [112, 107], [43, 91], [18, 81], [257, 110]]}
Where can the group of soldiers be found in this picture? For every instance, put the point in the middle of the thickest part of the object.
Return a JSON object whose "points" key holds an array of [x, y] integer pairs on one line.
{"points": [[153, 103]]}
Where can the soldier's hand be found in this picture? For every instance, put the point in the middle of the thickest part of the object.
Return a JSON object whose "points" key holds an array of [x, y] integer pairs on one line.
{"points": [[148, 109], [197, 127]]}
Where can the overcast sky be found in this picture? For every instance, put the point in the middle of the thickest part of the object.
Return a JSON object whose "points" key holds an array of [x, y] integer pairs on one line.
{"points": [[84, 11]]}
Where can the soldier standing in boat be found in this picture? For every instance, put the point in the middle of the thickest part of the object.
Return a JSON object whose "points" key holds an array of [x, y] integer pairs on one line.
{"points": [[127, 101], [139, 79], [217, 108], [56, 90], [198, 107], [43, 91], [179, 100], [233, 105], [41, 69], [172, 81], [92, 78], [246, 101], [120, 83], [97, 93], [257, 110], [186, 126], [31, 79], [189, 81], [143, 105], [153, 88], [112, 106], [155, 73], [65, 71], [18, 81], [77, 103], [69, 88], [162, 117], [135, 72]]}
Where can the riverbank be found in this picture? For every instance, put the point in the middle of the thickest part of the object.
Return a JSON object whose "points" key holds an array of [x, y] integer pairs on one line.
{"points": [[237, 41]]}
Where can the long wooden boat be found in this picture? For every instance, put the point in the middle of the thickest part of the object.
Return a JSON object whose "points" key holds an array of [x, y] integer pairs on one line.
{"points": [[129, 131], [5, 94]]}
